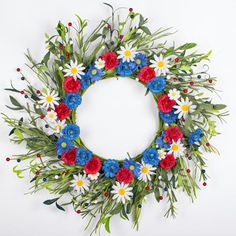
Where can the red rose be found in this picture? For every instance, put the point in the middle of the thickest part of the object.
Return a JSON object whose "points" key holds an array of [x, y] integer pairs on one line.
{"points": [[62, 111], [146, 74], [173, 133], [93, 165], [124, 175], [69, 157], [110, 59], [71, 85], [168, 162], [165, 104]]}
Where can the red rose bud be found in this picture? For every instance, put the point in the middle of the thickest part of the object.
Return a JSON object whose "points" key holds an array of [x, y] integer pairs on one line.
{"points": [[93, 166], [173, 133], [69, 157], [62, 111], [146, 74], [168, 162], [71, 85], [124, 175], [110, 59], [165, 104]]}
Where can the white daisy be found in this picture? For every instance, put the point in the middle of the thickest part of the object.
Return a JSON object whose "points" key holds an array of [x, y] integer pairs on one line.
{"points": [[74, 69], [49, 99], [127, 53], [184, 107], [58, 125], [161, 153], [160, 64], [51, 116], [122, 192], [100, 64], [146, 171], [80, 183], [174, 94], [177, 148], [93, 176]]}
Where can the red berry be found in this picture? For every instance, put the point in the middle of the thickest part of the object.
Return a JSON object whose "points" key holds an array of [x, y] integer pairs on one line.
{"points": [[186, 155], [177, 59], [37, 173], [22, 92], [42, 116], [175, 79], [106, 194], [204, 184], [67, 54], [188, 170], [207, 144], [191, 83], [182, 119], [49, 109], [185, 90], [210, 81], [78, 211], [69, 24], [121, 37], [130, 9], [38, 91], [18, 69], [38, 155], [147, 188], [8, 159], [161, 197]]}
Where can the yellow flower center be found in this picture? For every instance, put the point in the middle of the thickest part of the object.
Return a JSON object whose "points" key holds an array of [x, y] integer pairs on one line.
{"points": [[131, 167], [185, 107], [138, 61], [94, 72], [160, 64], [63, 144], [58, 127], [127, 53], [144, 170], [51, 115], [173, 94], [79, 182], [73, 70], [175, 147], [49, 98], [121, 192]]}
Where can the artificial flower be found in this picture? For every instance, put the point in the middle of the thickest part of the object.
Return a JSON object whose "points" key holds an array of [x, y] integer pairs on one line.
{"points": [[122, 192], [150, 156], [58, 125], [69, 157], [74, 69], [63, 145], [174, 94], [100, 64], [71, 131], [51, 116], [71, 85], [195, 136], [161, 143], [83, 156], [62, 111], [161, 153], [49, 98], [157, 84], [124, 175], [93, 166], [146, 171], [165, 104], [110, 59], [73, 100], [95, 74], [110, 167], [160, 65], [146, 74], [184, 107], [168, 117], [177, 148], [80, 183], [168, 162], [173, 133], [127, 53], [125, 68], [93, 176], [85, 82], [140, 60], [132, 165]]}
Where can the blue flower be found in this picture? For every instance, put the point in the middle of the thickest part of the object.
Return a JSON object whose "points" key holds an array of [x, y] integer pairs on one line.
{"points": [[83, 156], [110, 167], [73, 100], [84, 82], [157, 84], [195, 136], [140, 60], [63, 145], [71, 131], [168, 117], [161, 143], [133, 166], [125, 68], [150, 156], [94, 73]]}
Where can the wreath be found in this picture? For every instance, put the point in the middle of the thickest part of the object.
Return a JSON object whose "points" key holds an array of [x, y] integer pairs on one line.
{"points": [[58, 160]]}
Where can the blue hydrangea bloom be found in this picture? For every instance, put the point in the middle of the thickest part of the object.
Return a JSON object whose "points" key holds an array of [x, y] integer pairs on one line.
{"points": [[133, 166], [195, 136], [157, 84], [63, 145], [150, 156], [84, 82], [125, 68], [73, 100], [110, 167], [161, 142], [71, 131], [95, 74], [83, 156], [168, 117], [140, 60]]}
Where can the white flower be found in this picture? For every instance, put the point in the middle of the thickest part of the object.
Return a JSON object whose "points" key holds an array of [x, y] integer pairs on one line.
{"points": [[127, 53], [177, 148], [80, 183], [49, 99], [122, 192], [160, 65], [58, 125], [74, 69], [146, 171], [93, 176], [161, 153], [51, 116], [184, 107], [174, 94], [99, 64]]}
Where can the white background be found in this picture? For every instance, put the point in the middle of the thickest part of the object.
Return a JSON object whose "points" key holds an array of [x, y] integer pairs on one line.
{"points": [[212, 24]]}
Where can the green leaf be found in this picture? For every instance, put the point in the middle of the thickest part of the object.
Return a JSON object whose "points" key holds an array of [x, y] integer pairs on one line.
{"points": [[46, 58], [219, 106], [18, 133], [187, 46], [145, 30], [50, 201], [18, 172], [15, 102], [59, 207], [94, 37], [106, 222]]}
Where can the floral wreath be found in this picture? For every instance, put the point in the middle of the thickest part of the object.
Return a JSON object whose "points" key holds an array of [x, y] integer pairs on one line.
{"points": [[57, 157]]}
